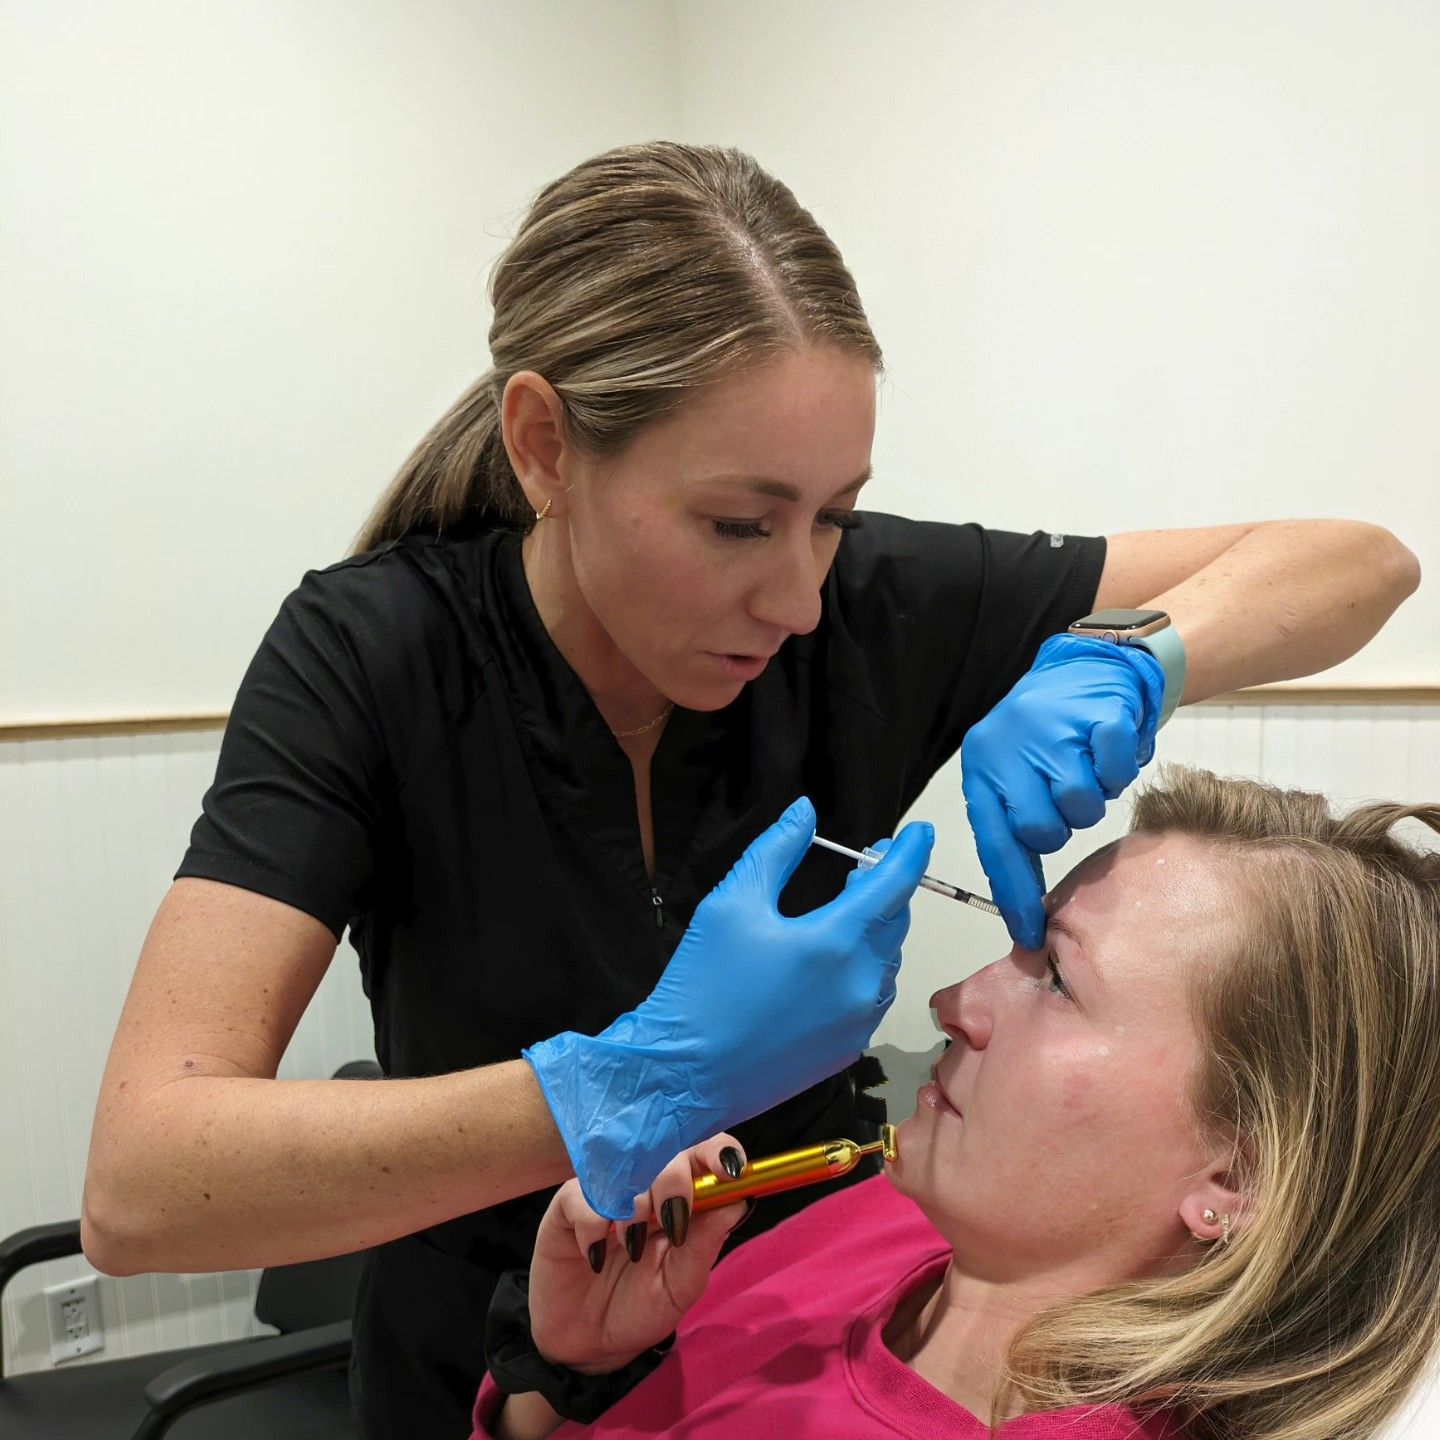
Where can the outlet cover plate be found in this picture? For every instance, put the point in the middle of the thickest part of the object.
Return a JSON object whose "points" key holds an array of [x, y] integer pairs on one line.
{"points": [[74, 1311]]}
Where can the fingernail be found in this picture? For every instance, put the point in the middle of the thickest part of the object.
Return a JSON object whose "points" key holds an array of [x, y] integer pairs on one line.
{"points": [[675, 1220], [731, 1162], [635, 1240], [596, 1256]]}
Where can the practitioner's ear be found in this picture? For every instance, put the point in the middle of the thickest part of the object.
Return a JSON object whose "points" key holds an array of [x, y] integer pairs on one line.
{"points": [[532, 419]]}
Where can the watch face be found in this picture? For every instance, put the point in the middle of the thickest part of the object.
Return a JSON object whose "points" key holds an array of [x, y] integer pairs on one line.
{"points": [[1120, 620]]}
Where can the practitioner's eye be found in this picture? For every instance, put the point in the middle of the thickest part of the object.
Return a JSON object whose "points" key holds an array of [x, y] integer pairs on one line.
{"points": [[740, 529], [756, 530]]}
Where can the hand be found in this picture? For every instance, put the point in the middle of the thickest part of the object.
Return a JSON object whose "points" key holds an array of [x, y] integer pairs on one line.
{"points": [[1072, 734], [752, 1008], [598, 1321]]}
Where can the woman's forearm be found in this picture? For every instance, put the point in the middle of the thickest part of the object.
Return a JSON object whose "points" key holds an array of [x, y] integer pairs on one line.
{"points": [[224, 1173], [1286, 599]]}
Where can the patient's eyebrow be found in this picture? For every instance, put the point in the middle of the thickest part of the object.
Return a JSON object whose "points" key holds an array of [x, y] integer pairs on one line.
{"points": [[781, 489], [1058, 922], [1062, 926]]}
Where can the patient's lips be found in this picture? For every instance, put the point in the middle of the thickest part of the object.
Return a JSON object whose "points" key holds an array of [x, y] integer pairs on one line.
{"points": [[933, 1095]]}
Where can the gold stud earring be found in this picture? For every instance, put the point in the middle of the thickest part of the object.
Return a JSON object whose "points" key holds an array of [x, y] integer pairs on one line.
{"points": [[1209, 1217], [541, 514]]}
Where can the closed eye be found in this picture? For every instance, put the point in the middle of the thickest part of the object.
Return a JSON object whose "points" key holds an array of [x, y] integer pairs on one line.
{"points": [[756, 530], [740, 529]]}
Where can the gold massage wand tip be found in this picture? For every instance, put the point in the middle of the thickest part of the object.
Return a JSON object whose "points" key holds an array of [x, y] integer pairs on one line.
{"points": [[790, 1170]]}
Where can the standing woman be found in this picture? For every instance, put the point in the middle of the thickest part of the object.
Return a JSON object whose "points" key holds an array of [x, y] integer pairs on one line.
{"points": [[600, 632]]}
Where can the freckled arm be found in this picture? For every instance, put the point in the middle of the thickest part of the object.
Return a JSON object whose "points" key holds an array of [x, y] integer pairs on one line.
{"points": [[201, 1160], [1264, 602]]}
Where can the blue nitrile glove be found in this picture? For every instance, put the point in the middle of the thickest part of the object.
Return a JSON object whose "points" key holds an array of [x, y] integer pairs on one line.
{"points": [[1072, 734], [752, 1008]]}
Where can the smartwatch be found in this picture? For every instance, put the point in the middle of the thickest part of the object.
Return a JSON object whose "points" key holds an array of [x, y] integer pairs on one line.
{"points": [[1150, 630]]}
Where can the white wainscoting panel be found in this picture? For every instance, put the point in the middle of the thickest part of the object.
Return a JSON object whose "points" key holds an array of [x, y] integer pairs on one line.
{"points": [[92, 828]]}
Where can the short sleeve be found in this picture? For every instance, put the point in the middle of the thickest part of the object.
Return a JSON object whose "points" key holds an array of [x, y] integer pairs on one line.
{"points": [[940, 621], [292, 811]]}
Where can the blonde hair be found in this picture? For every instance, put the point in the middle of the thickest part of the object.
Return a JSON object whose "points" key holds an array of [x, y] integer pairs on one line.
{"points": [[637, 278], [1322, 1041]]}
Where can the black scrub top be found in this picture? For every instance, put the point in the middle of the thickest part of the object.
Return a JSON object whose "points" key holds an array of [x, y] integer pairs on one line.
{"points": [[410, 755]]}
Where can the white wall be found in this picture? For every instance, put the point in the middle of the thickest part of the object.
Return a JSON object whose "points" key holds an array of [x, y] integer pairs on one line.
{"points": [[1132, 264], [243, 248]]}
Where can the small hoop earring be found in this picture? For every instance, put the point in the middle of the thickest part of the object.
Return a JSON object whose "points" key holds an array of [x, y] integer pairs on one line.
{"points": [[541, 514]]}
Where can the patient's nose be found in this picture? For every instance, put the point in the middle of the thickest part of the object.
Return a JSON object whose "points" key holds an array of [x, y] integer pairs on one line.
{"points": [[963, 1011]]}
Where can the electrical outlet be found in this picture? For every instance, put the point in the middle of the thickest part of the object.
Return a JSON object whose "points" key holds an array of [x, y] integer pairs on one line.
{"points": [[75, 1326]]}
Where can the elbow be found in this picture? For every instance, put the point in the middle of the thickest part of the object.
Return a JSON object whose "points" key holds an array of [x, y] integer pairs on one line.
{"points": [[1404, 566], [1394, 565], [113, 1236], [1389, 567], [102, 1247]]}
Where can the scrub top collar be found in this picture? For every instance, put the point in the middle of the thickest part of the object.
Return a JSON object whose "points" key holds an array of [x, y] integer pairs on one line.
{"points": [[579, 764]]}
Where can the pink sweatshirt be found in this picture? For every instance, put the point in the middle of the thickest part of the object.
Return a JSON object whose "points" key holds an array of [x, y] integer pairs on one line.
{"points": [[786, 1344]]}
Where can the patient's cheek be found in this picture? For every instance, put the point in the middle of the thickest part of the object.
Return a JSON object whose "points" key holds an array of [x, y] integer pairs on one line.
{"points": [[1087, 1091]]}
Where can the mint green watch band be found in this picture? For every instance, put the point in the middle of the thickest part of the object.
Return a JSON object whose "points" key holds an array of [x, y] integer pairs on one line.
{"points": [[1169, 649]]}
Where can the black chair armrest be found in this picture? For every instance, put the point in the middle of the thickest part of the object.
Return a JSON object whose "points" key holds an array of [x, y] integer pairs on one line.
{"points": [[36, 1245], [33, 1247], [242, 1367]]}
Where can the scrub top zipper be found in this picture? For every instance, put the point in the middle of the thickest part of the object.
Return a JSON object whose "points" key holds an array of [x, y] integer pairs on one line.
{"points": [[659, 905]]}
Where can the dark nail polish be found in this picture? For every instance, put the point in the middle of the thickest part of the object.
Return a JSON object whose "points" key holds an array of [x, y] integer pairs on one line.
{"points": [[596, 1256], [730, 1160], [635, 1239], [675, 1217]]}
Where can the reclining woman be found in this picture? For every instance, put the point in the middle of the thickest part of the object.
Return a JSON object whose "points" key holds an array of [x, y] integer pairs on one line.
{"points": [[1177, 1174]]}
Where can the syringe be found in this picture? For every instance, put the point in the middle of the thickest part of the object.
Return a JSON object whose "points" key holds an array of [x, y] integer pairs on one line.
{"points": [[867, 857]]}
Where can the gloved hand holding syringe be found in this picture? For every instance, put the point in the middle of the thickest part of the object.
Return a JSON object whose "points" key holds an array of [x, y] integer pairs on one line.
{"points": [[752, 1008]]}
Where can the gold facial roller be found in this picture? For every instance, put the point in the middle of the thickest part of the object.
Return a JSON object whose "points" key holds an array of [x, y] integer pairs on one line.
{"points": [[791, 1169]]}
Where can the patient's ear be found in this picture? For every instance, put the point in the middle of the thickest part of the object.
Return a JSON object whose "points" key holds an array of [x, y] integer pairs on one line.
{"points": [[1212, 1207]]}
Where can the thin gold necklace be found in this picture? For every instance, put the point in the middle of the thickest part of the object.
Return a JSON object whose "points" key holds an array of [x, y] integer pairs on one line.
{"points": [[660, 719]]}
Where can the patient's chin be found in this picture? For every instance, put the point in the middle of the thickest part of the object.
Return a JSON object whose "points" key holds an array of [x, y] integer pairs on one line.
{"points": [[918, 1157]]}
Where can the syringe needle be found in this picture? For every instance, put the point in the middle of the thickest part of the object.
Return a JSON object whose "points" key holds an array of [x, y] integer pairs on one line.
{"points": [[868, 857]]}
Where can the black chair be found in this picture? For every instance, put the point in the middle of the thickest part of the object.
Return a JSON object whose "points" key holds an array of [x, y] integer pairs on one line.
{"points": [[291, 1386]]}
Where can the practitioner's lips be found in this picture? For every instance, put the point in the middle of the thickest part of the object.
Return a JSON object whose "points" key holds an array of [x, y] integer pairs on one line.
{"points": [[741, 667]]}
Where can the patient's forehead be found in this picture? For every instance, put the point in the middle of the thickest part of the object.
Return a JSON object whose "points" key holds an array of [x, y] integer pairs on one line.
{"points": [[1149, 904]]}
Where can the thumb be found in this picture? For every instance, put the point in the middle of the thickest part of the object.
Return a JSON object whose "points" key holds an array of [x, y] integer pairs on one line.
{"points": [[885, 889], [772, 858]]}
